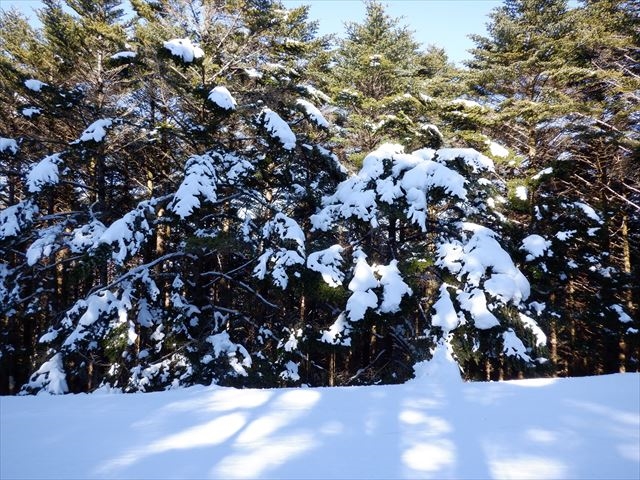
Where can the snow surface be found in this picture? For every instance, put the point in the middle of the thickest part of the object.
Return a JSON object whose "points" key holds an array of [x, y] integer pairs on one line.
{"points": [[498, 150], [96, 131], [222, 98], [31, 111], [43, 173], [183, 48], [521, 193], [34, 85], [8, 144], [434, 426], [278, 128], [535, 246], [124, 54], [313, 113]]}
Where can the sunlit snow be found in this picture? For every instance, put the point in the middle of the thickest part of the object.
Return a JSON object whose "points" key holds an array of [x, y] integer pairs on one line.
{"points": [[313, 113], [278, 129], [222, 98], [34, 85], [8, 144], [434, 426], [96, 131], [183, 48]]}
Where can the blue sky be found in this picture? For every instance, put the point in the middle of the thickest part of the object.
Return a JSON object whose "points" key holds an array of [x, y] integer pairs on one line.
{"points": [[445, 23]]}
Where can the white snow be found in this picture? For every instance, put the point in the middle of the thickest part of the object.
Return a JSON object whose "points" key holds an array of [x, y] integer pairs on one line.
{"points": [[44, 173], [129, 232], [34, 85], [253, 73], [541, 173], [327, 262], [466, 103], [412, 176], [393, 287], [222, 344], [362, 283], [44, 245], [338, 333], [286, 230], [497, 150], [315, 93], [14, 218], [50, 375], [513, 346], [445, 315], [31, 111], [199, 181], [434, 426], [183, 48], [535, 246], [589, 211], [222, 98], [622, 315], [123, 54], [521, 193], [278, 128], [96, 131], [475, 303], [565, 235], [541, 338], [8, 144], [481, 257], [313, 113], [87, 235], [470, 156]]}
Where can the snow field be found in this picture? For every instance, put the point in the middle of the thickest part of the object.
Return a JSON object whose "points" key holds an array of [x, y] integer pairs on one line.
{"points": [[435, 426]]}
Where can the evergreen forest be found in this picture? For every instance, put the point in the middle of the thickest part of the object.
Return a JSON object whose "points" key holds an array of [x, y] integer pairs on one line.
{"points": [[209, 191]]}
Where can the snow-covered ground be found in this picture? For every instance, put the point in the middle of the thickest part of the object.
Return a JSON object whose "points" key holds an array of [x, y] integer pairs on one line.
{"points": [[435, 426]]}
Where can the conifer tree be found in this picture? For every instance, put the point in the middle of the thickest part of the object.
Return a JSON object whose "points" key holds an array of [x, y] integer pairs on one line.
{"points": [[560, 105]]}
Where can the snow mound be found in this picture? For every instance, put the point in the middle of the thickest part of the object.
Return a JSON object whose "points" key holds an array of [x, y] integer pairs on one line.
{"points": [[96, 131], [34, 85], [183, 48], [441, 367], [8, 144], [313, 113], [123, 54], [222, 98], [278, 128], [44, 173], [535, 246]]}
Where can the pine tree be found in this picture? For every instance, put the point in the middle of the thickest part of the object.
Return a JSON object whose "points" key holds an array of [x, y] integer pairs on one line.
{"points": [[375, 82], [541, 67]]}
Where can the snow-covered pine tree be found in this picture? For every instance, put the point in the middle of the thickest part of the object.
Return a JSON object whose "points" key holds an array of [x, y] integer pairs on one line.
{"points": [[418, 247], [189, 261], [566, 106], [65, 96]]}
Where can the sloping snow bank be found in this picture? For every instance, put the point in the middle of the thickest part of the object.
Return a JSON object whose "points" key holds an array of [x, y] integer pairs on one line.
{"points": [[431, 427]]}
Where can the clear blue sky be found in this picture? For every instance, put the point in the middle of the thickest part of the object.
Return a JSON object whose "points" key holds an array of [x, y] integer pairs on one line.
{"points": [[445, 23]]}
